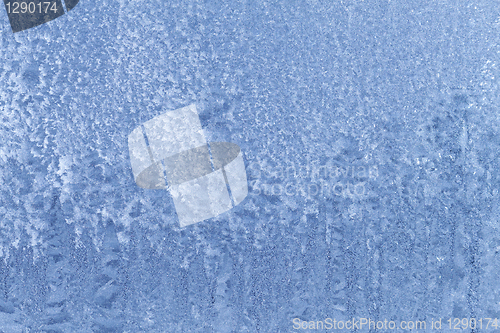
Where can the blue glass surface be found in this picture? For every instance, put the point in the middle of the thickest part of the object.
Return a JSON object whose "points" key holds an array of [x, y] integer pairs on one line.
{"points": [[370, 134]]}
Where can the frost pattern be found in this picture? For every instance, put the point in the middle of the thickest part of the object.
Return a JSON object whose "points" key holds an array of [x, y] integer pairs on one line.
{"points": [[409, 87]]}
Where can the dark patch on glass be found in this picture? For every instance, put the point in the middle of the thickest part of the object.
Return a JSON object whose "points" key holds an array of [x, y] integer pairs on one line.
{"points": [[27, 14], [70, 4]]}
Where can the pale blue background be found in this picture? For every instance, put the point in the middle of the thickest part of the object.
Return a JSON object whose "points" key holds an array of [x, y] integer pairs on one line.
{"points": [[411, 87]]}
